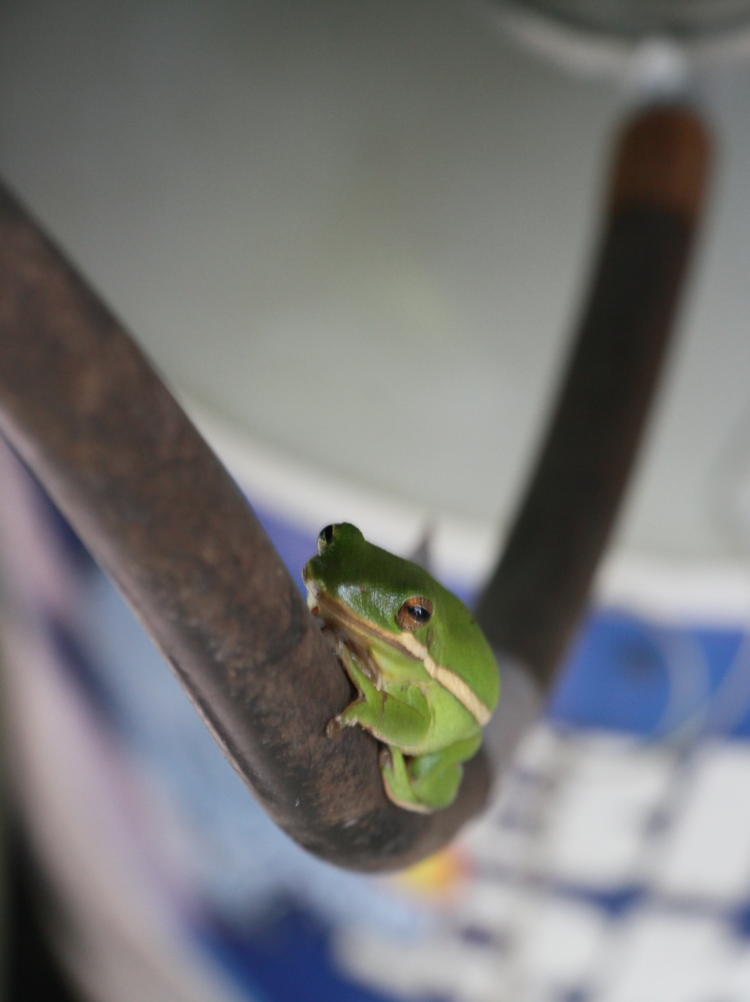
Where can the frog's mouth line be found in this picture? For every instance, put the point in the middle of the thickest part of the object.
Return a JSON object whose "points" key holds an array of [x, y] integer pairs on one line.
{"points": [[335, 612]]}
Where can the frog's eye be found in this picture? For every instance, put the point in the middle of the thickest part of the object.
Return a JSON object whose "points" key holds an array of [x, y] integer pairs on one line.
{"points": [[324, 538], [414, 613]]}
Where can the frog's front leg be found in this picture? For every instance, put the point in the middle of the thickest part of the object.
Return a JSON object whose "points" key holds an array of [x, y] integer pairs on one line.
{"points": [[427, 782], [391, 720]]}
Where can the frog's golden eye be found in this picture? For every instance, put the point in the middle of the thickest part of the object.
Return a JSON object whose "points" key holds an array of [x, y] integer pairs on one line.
{"points": [[414, 613], [324, 538]]}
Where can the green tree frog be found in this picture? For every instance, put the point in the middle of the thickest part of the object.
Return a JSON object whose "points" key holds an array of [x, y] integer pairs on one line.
{"points": [[425, 676]]}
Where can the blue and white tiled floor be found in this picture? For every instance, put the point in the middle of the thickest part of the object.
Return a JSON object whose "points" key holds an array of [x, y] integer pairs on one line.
{"points": [[613, 865]]}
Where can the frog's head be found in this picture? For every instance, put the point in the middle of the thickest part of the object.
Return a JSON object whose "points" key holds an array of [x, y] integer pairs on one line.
{"points": [[379, 597]]}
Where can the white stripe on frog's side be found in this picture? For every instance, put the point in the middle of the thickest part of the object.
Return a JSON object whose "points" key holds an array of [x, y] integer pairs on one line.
{"points": [[338, 613]]}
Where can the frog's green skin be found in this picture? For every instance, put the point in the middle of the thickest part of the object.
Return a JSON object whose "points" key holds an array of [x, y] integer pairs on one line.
{"points": [[426, 677]]}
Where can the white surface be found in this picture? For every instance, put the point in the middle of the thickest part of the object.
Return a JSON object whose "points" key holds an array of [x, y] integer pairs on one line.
{"points": [[361, 231]]}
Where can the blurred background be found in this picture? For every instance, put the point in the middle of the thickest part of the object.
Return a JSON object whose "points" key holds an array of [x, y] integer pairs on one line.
{"points": [[354, 237]]}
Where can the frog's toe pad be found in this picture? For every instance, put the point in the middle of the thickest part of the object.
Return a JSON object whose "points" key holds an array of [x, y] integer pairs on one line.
{"points": [[334, 726]]}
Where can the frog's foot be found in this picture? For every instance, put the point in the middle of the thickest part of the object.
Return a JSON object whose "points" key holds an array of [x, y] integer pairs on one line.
{"points": [[426, 782], [397, 783], [390, 720], [334, 726], [356, 714]]}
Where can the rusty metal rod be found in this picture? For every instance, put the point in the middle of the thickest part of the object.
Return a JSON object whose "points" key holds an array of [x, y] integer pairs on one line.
{"points": [[539, 590], [83, 407], [86, 411]]}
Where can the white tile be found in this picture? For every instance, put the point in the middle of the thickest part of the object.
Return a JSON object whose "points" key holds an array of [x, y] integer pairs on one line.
{"points": [[707, 850], [597, 819], [737, 984], [557, 943], [488, 905], [440, 965], [667, 958]]}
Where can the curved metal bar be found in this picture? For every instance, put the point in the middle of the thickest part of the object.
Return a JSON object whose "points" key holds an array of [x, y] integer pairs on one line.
{"points": [[539, 590], [84, 408]]}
